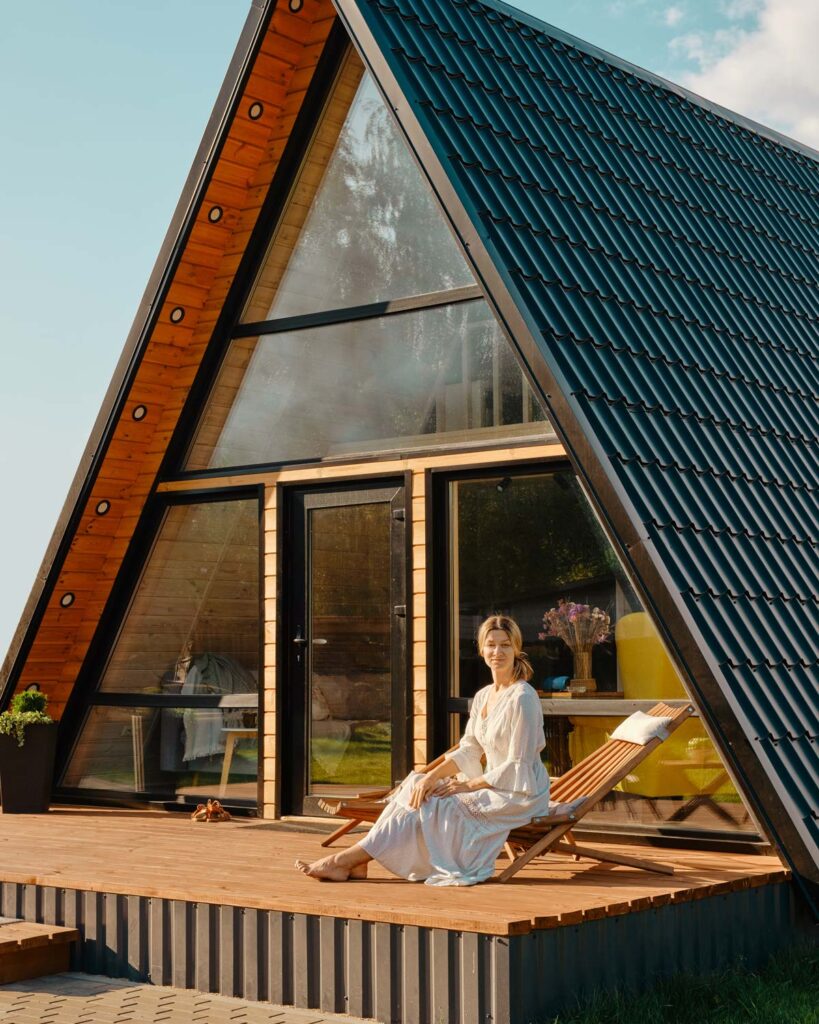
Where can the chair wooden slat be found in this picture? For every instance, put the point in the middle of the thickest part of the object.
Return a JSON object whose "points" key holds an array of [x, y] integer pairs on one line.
{"points": [[591, 769], [592, 779]]}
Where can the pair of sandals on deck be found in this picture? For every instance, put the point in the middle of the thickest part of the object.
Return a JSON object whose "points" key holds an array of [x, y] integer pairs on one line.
{"points": [[212, 811]]}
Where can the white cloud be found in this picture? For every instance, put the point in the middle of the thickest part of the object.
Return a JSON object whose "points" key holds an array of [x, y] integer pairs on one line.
{"points": [[736, 10], [706, 48], [767, 72], [673, 16]]}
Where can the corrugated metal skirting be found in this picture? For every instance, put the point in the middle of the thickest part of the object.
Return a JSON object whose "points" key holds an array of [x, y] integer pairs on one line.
{"points": [[400, 973]]}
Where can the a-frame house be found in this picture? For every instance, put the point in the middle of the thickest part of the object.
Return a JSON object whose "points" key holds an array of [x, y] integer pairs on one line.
{"points": [[456, 314]]}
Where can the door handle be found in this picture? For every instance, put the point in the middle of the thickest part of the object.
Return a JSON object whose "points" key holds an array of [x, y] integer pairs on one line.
{"points": [[299, 640], [319, 641]]}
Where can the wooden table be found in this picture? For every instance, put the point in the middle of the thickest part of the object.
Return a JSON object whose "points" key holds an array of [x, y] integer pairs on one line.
{"points": [[232, 737]]}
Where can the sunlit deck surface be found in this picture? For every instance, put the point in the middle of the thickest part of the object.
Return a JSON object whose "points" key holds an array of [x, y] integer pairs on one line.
{"points": [[249, 863]]}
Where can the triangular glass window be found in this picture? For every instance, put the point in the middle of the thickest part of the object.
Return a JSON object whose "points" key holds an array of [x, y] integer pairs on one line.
{"points": [[361, 224], [361, 227]]}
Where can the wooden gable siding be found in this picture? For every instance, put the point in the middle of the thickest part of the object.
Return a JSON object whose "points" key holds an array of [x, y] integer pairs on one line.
{"points": [[279, 78]]}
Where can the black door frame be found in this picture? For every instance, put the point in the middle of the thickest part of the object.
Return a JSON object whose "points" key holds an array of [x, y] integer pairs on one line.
{"points": [[295, 501]]}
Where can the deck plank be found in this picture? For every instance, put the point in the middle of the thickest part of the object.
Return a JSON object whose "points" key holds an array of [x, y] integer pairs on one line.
{"points": [[246, 863]]}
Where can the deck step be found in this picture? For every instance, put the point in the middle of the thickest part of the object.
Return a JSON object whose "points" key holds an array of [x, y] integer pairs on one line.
{"points": [[33, 950]]}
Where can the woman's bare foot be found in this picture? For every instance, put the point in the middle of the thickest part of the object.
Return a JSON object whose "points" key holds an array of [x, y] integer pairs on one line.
{"points": [[325, 870]]}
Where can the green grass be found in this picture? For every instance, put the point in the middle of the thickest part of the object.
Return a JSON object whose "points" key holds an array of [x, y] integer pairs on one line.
{"points": [[784, 991], [362, 760]]}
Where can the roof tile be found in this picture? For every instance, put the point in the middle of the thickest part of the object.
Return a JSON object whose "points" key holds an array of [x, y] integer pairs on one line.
{"points": [[665, 257]]}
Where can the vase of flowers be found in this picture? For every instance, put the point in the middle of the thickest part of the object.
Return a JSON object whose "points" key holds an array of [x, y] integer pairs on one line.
{"points": [[581, 627]]}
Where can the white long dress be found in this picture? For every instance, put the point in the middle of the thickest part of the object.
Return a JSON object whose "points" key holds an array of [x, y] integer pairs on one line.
{"points": [[455, 840]]}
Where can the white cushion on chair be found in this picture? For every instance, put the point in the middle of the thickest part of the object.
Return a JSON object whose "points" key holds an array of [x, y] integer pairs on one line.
{"points": [[642, 728]]}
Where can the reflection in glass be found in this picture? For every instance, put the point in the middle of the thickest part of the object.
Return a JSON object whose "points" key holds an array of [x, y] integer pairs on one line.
{"points": [[167, 752], [519, 544], [443, 375], [361, 224], [683, 785], [193, 623], [349, 668]]}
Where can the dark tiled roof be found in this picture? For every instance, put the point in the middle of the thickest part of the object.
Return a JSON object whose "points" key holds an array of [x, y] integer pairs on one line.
{"points": [[664, 257]]}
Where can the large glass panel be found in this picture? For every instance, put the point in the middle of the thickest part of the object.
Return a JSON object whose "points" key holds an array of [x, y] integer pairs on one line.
{"points": [[191, 630], [168, 752], [361, 224], [193, 623], [441, 375], [349, 661], [522, 544]]}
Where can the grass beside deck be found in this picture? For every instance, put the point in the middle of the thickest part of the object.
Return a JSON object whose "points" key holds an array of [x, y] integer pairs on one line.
{"points": [[784, 991]]}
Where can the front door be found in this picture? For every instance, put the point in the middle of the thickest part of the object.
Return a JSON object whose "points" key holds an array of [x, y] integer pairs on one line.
{"points": [[346, 708]]}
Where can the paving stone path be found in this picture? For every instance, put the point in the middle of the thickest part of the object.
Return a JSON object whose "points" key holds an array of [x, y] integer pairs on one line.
{"points": [[90, 999]]}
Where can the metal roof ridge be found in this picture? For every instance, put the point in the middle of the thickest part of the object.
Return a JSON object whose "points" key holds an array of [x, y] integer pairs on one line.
{"points": [[562, 36]]}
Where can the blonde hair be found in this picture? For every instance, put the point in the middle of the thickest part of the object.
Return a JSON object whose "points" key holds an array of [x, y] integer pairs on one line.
{"points": [[522, 668]]}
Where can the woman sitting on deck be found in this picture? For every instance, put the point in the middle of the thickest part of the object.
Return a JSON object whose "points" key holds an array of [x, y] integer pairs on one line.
{"points": [[447, 826]]}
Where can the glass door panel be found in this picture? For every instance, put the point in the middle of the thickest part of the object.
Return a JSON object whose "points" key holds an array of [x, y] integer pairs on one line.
{"points": [[346, 688], [349, 714]]}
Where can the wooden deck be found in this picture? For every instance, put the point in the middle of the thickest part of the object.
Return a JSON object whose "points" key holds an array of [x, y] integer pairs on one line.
{"points": [[249, 863]]}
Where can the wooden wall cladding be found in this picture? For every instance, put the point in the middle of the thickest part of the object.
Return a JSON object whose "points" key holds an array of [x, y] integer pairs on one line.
{"points": [[278, 80], [417, 466]]}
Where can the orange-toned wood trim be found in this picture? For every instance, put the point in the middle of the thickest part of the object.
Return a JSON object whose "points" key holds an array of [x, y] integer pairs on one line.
{"points": [[337, 471], [295, 214], [278, 78]]}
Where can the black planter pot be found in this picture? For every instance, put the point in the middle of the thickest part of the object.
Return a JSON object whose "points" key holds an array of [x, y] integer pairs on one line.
{"points": [[26, 772]]}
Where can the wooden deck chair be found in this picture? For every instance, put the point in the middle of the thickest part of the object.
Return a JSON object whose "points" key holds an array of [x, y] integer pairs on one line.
{"points": [[365, 806], [592, 779], [584, 786]]}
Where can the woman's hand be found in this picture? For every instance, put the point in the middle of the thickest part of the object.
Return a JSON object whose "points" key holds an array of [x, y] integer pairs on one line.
{"points": [[421, 790], [452, 786]]}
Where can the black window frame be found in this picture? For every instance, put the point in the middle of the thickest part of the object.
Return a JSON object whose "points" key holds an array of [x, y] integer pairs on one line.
{"points": [[229, 325], [441, 706], [86, 692], [439, 568]]}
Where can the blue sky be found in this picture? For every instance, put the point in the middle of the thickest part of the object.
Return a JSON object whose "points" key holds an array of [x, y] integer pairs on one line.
{"points": [[102, 105]]}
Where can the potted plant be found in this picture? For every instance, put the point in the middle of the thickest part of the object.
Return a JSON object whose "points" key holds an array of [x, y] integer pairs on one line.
{"points": [[28, 740]]}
